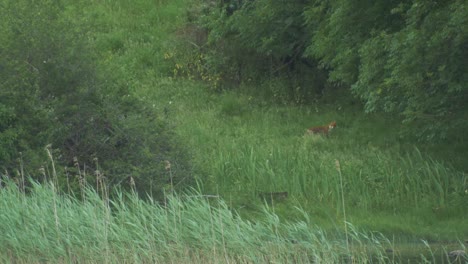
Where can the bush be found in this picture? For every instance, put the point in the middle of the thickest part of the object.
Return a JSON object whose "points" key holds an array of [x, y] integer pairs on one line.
{"points": [[53, 94], [402, 58], [252, 42]]}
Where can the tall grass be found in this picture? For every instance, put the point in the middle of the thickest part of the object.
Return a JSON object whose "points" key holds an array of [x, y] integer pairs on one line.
{"points": [[262, 149], [242, 148], [373, 180], [243, 145], [266, 149], [190, 228]]}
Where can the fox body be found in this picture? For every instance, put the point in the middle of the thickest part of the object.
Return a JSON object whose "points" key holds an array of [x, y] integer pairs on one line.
{"points": [[322, 129]]}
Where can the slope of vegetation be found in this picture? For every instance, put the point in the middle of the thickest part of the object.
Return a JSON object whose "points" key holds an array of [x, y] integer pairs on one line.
{"points": [[64, 87], [247, 150], [402, 58], [150, 96]]}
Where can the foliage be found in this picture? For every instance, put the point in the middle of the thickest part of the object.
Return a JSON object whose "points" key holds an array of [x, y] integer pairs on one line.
{"points": [[256, 41], [108, 105], [420, 70], [339, 28], [243, 147], [53, 92], [403, 58]]}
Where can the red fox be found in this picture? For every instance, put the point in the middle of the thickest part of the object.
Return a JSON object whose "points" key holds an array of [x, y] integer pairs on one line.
{"points": [[321, 129]]}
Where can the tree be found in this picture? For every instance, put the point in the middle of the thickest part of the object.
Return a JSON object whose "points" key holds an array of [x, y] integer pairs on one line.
{"points": [[419, 71], [403, 58]]}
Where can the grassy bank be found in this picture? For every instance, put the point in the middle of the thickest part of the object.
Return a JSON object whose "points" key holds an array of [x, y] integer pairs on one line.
{"points": [[265, 191], [244, 149], [44, 226], [247, 146]]}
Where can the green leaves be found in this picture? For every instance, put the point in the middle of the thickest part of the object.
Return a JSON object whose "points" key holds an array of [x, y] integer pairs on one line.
{"points": [[258, 38], [54, 92], [419, 71], [404, 58]]}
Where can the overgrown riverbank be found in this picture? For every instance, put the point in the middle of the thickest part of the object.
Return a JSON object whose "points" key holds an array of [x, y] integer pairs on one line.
{"points": [[44, 226], [265, 191]]}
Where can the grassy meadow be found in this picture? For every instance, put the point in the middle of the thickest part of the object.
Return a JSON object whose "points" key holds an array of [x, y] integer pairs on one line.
{"points": [[265, 192], [243, 150]]}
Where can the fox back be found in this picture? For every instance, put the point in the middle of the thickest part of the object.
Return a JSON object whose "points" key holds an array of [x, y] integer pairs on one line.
{"points": [[322, 129]]}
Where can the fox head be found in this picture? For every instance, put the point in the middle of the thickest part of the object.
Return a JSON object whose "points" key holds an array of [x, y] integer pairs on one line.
{"points": [[332, 125]]}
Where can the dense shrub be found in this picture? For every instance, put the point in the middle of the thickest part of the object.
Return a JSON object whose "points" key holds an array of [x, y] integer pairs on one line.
{"points": [[403, 58], [52, 93], [253, 42]]}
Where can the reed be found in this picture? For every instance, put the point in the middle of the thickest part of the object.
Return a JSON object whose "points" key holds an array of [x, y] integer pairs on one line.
{"points": [[264, 150], [188, 228]]}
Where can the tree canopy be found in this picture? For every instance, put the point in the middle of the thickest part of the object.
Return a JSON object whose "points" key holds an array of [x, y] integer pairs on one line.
{"points": [[407, 58]]}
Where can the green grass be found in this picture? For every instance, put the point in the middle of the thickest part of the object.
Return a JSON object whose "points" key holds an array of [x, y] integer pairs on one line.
{"points": [[132, 38], [242, 147], [44, 226], [251, 140]]}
